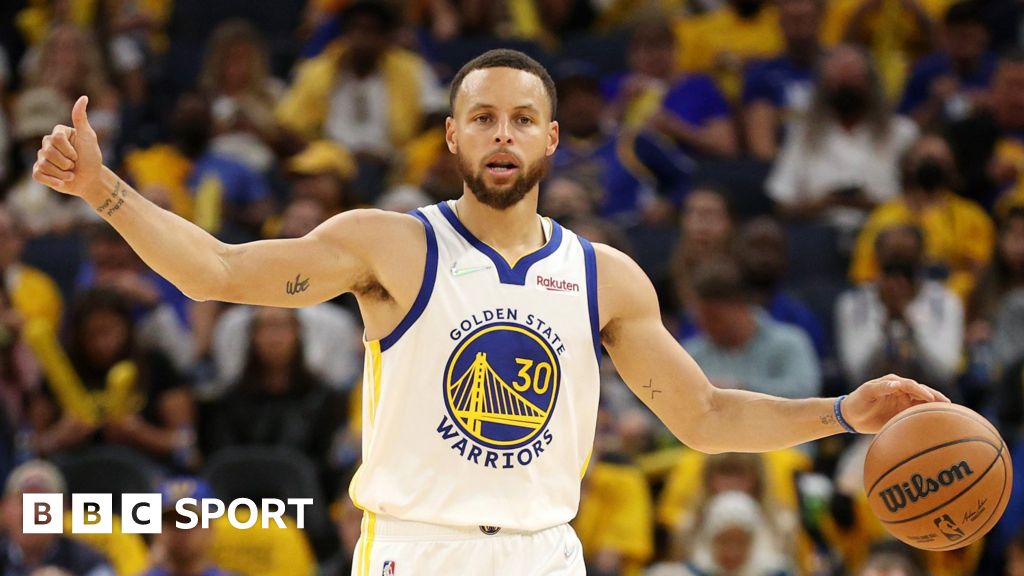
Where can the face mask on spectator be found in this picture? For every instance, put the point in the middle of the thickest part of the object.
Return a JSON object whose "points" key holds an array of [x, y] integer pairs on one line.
{"points": [[930, 174], [848, 101], [748, 8]]}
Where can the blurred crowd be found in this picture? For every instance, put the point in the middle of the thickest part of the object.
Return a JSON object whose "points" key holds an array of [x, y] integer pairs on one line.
{"points": [[822, 191]]}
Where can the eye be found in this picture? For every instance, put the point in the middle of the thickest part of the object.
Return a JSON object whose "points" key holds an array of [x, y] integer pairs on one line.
{"points": [[525, 120], [482, 119]]}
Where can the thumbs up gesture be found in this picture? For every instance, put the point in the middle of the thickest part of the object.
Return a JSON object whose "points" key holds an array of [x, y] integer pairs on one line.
{"points": [[70, 160]]}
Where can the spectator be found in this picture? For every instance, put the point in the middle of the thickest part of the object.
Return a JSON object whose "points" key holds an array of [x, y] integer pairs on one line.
{"points": [[842, 159], [959, 236], [566, 198], [236, 80], [125, 396], [901, 323], [778, 90], [740, 345], [222, 195], [733, 538], [989, 146], [948, 85], [26, 554], [362, 91], [183, 551], [278, 400], [348, 520], [29, 292], [160, 311], [615, 523], [706, 233], [70, 61], [38, 209], [689, 109], [761, 252], [723, 41], [896, 34], [300, 217], [628, 173], [324, 172]]}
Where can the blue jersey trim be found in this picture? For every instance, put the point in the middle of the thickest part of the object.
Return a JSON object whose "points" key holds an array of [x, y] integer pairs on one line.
{"points": [[590, 263], [429, 275], [506, 274]]}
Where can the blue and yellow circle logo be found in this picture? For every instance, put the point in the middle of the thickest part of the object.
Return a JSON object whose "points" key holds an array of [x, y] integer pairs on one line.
{"points": [[501, 384]]}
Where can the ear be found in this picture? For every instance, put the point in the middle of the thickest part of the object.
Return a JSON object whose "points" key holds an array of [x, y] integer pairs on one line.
{"points": [[552, 138], [449, 135]]}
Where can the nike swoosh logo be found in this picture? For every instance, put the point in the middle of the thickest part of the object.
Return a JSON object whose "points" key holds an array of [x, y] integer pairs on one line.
{"points": [[463, 271]]}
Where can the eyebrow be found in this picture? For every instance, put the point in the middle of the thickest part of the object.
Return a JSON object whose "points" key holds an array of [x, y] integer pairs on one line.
{"points": [[485, 106]]}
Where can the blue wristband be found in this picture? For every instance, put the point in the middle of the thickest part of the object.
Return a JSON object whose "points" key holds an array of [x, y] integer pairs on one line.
{"points": [[839, 415]]}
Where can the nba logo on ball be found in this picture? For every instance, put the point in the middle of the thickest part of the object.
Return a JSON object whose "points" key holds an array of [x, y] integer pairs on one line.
{"points": [[938, 476], [389, 568]]}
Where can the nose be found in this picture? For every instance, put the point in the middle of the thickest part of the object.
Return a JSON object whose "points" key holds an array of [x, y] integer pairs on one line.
{"points": [[503, 131]]}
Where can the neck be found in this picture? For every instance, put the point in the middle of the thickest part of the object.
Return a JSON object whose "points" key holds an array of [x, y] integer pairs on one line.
{"points": [[513, 232], [744, 331], [190, 567], [275, 379], [918, 199]]}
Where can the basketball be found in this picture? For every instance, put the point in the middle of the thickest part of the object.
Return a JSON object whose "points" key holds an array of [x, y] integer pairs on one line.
{"points": [[938, 476]]}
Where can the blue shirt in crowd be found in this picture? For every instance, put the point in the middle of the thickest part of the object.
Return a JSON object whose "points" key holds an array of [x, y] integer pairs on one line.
{"points": [[919, 84]]}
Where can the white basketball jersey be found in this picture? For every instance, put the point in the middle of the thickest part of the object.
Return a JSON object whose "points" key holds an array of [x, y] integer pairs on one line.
{"points": [[480, 408]]}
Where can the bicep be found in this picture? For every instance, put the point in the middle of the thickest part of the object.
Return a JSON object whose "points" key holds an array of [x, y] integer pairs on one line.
{"points": [[296, 272]]}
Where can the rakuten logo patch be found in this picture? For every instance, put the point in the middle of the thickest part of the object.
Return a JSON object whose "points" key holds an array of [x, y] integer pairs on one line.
{"points": [[557, 285]]}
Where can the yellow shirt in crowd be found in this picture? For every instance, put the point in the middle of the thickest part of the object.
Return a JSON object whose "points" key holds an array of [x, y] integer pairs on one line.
{"points": [[957, 233], [616, 513]]}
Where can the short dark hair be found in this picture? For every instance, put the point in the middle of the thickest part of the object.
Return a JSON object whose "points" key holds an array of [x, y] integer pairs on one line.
{"points": [[719, 280], [964, 12], [374, 9], [504, 58]]}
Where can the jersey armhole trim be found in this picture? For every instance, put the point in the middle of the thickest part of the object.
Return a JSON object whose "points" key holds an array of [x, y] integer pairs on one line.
{"points": [[590, 264], [426, 288]]}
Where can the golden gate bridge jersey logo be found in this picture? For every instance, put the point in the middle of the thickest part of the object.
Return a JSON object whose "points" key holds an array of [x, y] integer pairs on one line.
{"points": [[500, 388]]}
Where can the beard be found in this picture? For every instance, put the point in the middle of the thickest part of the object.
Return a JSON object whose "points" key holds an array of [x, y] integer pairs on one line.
{"points": [[508, 195]]}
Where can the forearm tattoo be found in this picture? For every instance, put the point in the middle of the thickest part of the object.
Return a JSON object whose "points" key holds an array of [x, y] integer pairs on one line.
{"points": [[298, 286], [828, 419], [114, 202], [650, 386]]}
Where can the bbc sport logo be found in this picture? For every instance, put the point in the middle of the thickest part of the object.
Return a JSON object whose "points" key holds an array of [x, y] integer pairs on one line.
{"points": [[43, 513]]}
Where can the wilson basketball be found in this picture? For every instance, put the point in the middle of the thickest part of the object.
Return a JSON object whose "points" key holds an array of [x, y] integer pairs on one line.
{"points": [[938, 476]]}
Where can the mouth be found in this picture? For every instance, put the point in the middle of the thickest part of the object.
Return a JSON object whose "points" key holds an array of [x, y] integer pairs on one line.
{"points": [[502, 165]]}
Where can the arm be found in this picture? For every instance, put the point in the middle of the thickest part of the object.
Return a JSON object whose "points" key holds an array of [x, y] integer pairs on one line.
{"points": [[671, 384], [761, 119], [328, 261], [716, 137]]}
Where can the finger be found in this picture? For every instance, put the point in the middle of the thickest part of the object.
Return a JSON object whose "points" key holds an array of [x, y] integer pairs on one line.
{"points": [[939, 396], [79, 115], [56, 157], [61, 140], [909, 387], [46, 180], [47, 168]]}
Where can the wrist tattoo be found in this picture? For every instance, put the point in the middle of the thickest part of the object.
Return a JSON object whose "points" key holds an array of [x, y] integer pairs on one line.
{"points": [[298, 286], [828, 420], [114, 202]]}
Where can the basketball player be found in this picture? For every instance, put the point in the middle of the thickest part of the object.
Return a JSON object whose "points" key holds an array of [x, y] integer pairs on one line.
{"points": [[484, 326]]}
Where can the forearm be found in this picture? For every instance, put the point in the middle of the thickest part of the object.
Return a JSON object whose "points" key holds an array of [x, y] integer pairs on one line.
{"points": [[183, 253], [742, 421]]}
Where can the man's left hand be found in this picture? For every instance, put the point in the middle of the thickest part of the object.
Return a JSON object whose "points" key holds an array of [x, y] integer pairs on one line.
{"points": [[874, 403]]}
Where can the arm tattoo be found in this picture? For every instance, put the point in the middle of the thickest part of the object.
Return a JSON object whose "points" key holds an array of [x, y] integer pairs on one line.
{"points": [[828, 419], [114, 202], [298, 286], [650, 386]]}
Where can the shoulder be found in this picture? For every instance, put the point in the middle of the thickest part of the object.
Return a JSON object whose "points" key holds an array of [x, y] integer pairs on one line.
{"points": [[932, 65], [696, 83], [623, 289], [372, 226]]}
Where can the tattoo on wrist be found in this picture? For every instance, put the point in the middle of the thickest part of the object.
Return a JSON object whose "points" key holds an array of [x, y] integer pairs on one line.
{"points": [[828, 420], [298, 286], [650, 386], [114, 202]]}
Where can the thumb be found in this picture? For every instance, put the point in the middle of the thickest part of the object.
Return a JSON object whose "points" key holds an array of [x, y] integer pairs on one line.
{"points": [[79, 117]]}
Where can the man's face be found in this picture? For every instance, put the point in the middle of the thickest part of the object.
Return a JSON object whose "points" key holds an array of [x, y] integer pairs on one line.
{"points": [[502, 134], [721, 320], [800, 20], [12, 525], [184, 546], [965, 42]]}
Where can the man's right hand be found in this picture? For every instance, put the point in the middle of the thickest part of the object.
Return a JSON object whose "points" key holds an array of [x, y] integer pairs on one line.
{"points": [[70, 160]]}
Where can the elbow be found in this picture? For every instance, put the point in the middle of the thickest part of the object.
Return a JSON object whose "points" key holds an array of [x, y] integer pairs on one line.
{"points": [[702, 433]]}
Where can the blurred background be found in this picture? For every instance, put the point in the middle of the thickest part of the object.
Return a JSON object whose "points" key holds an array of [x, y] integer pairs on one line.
{"points": [[822, 191]]}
